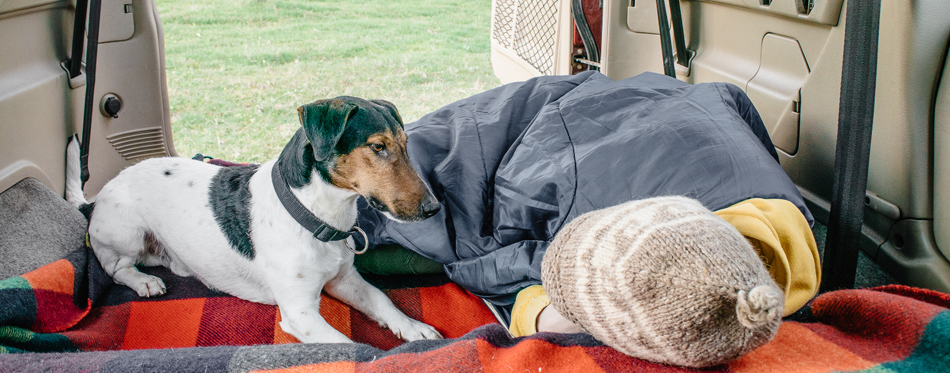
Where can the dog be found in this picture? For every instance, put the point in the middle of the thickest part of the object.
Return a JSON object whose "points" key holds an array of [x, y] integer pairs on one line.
{"points": [[229, 227]]}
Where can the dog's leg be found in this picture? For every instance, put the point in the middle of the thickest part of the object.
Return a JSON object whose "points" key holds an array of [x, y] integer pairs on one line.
{"points": [[119, 244], [300, 315], [123, 271], [349, 287]]}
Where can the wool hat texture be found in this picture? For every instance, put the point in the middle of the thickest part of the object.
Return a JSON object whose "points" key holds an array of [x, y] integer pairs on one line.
{"points": [[665, 280]]}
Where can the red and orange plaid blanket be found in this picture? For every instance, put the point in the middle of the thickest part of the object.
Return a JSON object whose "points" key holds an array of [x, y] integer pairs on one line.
{"points": [[72, 305], [67, 316]]}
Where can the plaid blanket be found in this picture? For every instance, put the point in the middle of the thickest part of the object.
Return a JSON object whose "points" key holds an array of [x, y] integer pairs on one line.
{"points": [[71, 305]]}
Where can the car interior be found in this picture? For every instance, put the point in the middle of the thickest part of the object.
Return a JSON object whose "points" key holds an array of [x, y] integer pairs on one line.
{"points": [[788, 56]]}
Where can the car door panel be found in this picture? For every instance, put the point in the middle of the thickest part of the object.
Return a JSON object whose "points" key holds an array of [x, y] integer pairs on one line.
{"points": [[40, 106]]}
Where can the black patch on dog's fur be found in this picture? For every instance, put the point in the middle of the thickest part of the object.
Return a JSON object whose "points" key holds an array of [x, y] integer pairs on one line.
{"points": [[86, 210], [168, 173], [229, 196], [369, 120], [297, 163]]}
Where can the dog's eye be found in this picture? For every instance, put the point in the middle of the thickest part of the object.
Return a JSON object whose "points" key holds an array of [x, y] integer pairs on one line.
{"points": [[377, 147]]}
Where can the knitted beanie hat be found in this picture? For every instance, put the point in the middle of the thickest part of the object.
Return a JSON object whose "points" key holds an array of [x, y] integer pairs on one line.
{"points": [[663, 279]]}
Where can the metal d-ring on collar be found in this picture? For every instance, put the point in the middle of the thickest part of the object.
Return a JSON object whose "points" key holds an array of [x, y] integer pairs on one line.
{"points": [[365, 241], [321, 231]]}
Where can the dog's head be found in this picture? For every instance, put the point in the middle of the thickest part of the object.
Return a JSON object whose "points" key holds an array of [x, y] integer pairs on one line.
{"points": [[358, 145]]}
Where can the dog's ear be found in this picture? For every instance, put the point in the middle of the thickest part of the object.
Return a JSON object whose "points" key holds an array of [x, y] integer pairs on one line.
{"points": [[390, 106], [323, 122]]}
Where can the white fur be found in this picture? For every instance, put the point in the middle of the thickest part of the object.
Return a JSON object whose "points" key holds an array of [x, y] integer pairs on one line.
{"points": [[74, 193], [290, 268]]}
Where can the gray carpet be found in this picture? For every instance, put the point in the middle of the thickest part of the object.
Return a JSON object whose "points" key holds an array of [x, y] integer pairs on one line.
{"points": [[37, 226]]}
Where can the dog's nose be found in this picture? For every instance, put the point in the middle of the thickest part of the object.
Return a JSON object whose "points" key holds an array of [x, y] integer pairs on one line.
{"points": [[430, 206]]}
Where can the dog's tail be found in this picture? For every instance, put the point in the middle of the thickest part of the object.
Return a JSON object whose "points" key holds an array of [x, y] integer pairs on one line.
{"points": [[74, 193]]}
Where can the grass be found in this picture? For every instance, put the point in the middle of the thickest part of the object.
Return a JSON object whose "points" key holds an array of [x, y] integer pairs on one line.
{"points": [[237, 71]]}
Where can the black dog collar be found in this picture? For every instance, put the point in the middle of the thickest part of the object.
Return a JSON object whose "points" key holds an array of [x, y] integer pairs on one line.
{"points": [[321, 231]]}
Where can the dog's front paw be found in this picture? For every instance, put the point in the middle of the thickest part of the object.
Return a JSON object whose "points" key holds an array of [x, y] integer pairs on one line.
{"points": [[413, 330]]}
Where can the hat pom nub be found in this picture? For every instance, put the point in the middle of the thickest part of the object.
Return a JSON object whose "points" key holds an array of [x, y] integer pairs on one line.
{"points": [[759, 306], [665, 280]]}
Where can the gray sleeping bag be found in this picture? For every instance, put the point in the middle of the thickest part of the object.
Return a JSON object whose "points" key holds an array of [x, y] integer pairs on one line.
{"points": [[512, 165]]}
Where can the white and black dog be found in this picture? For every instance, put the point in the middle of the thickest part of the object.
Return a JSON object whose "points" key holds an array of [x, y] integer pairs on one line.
{"points": [[241, 229]]}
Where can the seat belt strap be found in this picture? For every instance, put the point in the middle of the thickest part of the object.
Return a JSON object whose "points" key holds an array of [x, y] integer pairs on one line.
{"points": [[92, 47], [583, 29], [665, 44], [79, 32], [852, 152], [679, 40]]}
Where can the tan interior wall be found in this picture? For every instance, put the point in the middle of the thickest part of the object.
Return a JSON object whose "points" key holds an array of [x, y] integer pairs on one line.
{"points": [[34, 106], [39, 109], [941, 186], [630, 48], [913, 43], [133, 70], [728, 40]]}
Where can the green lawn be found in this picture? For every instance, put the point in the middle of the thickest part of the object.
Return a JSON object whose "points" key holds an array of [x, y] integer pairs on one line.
{"points": [[237, 71]]}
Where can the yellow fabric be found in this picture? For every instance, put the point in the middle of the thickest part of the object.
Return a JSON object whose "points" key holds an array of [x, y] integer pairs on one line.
{"points": [[524, 314], [781, 235], [776, 229]]}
